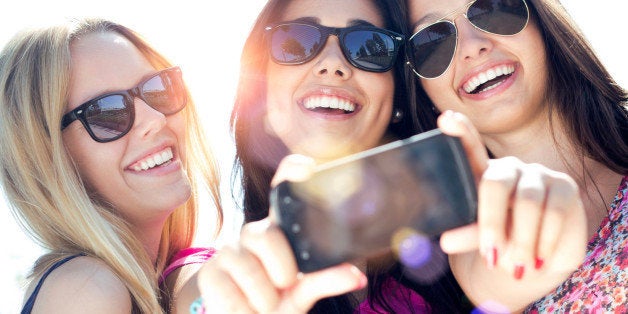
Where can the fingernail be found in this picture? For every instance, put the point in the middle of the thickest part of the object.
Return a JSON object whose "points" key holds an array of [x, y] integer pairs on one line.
{"points": [[519, 269], [538, 263], [491, 257]]}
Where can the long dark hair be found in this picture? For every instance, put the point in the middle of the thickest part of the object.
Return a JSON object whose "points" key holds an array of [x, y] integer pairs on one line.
{"points": [[258, 154], [580, 90]]}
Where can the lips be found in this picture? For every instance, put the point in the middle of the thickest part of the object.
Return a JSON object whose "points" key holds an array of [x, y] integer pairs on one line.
{"points": [[153, 160], [488, 79]]}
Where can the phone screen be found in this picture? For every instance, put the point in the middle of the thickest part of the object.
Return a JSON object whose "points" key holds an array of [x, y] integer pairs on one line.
{"points": [[356, 206]]}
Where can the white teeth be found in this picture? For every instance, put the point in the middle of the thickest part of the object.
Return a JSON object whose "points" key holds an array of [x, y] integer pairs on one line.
{"points": [[328, 102], [486, 76], [491, 74], [158, 159], [154, 160]]}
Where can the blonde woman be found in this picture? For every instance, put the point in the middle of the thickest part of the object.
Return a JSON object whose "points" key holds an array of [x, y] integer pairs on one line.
{"points": [[102, 156]]}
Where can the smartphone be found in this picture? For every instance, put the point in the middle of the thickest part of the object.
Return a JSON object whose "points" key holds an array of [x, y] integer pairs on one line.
{"points": [[355, 206]]}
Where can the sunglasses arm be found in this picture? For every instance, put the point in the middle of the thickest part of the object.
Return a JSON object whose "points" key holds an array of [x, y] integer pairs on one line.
{"points": [[68, 118]]}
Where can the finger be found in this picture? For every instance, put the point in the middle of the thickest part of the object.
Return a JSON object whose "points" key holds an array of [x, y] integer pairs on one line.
{"points": [[495, 189], [329, 282], [294, 168], [218, 290], [268, 243], [460, 240], [457, 124], [249, 275], [527, 210], [563, 231]]}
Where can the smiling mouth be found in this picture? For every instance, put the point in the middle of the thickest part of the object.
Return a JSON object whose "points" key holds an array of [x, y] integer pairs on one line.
{"points": [[160, 158], [489, 79], [329, 105]]}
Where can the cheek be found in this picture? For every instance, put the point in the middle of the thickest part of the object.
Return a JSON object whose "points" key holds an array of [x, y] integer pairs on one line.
{"points": [[177, 124], [432, 88], [97, 163], [283, 83], [380, 88]]}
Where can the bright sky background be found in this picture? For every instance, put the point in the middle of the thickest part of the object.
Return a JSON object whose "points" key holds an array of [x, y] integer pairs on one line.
{"points": [[205, 38]]}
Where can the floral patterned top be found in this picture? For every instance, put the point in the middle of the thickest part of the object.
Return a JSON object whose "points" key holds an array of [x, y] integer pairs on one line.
{"points": [[600, 285]]}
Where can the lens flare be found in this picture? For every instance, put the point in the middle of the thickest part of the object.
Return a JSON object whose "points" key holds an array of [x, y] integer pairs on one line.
{"points": [[422, 258], [413, 249]]}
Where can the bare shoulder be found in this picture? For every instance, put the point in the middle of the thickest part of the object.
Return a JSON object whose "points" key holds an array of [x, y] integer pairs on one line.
{"points": [[83, 285]]}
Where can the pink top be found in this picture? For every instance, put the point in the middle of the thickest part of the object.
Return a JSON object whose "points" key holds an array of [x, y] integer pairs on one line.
{"points": [[191, 255], [402, 299]]}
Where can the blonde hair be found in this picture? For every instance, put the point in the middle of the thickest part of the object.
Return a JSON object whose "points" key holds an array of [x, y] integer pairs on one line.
{"points": [[41, 183]]}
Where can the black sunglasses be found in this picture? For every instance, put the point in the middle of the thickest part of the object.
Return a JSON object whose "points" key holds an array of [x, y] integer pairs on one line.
{"points": [[109, 117], [431, 49], [368, 48]]}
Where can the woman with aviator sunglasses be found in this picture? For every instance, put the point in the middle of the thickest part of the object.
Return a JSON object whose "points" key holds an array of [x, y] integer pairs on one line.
{"points": [[532, 85], [318, 78], [100, 142]]}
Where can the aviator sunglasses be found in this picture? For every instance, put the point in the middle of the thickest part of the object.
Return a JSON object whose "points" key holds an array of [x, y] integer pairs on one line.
{"points": [[431, 50], [368, 48], [109, 117]]}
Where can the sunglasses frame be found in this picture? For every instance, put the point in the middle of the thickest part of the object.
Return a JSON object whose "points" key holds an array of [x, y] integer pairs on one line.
{"points": [[448, 19], [129, 96], [340, 33]]}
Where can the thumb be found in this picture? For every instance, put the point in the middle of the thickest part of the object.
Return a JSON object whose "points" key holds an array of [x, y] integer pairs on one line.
{"points": [[294, 168], [460, 240], [325, 283], [457, 124]]}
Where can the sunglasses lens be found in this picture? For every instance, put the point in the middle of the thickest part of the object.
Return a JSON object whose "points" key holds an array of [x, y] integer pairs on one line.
{"points": [[432, 49], [109, 117], [294, 43], [501, 17], [165, 92], [370, 50]]}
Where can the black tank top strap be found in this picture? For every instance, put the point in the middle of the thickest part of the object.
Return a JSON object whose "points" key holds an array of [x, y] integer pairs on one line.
{"points": [[28, 306]]}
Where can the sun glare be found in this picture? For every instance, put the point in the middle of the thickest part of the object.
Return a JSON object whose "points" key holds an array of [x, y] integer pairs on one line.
{"points": [[205, 38]]}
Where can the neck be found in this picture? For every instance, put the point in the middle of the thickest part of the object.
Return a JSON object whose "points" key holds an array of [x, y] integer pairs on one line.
{"points": [[149, 235]]}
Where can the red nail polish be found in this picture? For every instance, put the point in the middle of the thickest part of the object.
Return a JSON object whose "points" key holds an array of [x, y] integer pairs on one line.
{"points": [[519, 269], [538, 263], [491, 257]]}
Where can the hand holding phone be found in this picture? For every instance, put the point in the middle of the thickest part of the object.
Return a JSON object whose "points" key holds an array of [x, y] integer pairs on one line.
{"points": [[356, 206]]}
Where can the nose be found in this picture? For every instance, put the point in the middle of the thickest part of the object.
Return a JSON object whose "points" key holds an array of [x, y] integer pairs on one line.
{"points": [[331, 62], [148, 120], [472, 42]]}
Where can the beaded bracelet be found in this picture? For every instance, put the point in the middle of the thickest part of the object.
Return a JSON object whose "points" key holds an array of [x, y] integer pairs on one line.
{"points": [[198, 306]]}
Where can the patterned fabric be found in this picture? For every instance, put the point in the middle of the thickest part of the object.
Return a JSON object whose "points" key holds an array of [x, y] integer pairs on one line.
{"points": [[600, 285], [402, 299]]}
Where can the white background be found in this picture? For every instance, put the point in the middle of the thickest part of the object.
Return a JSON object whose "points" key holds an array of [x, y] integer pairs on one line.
{"points": [[206, 39]]}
